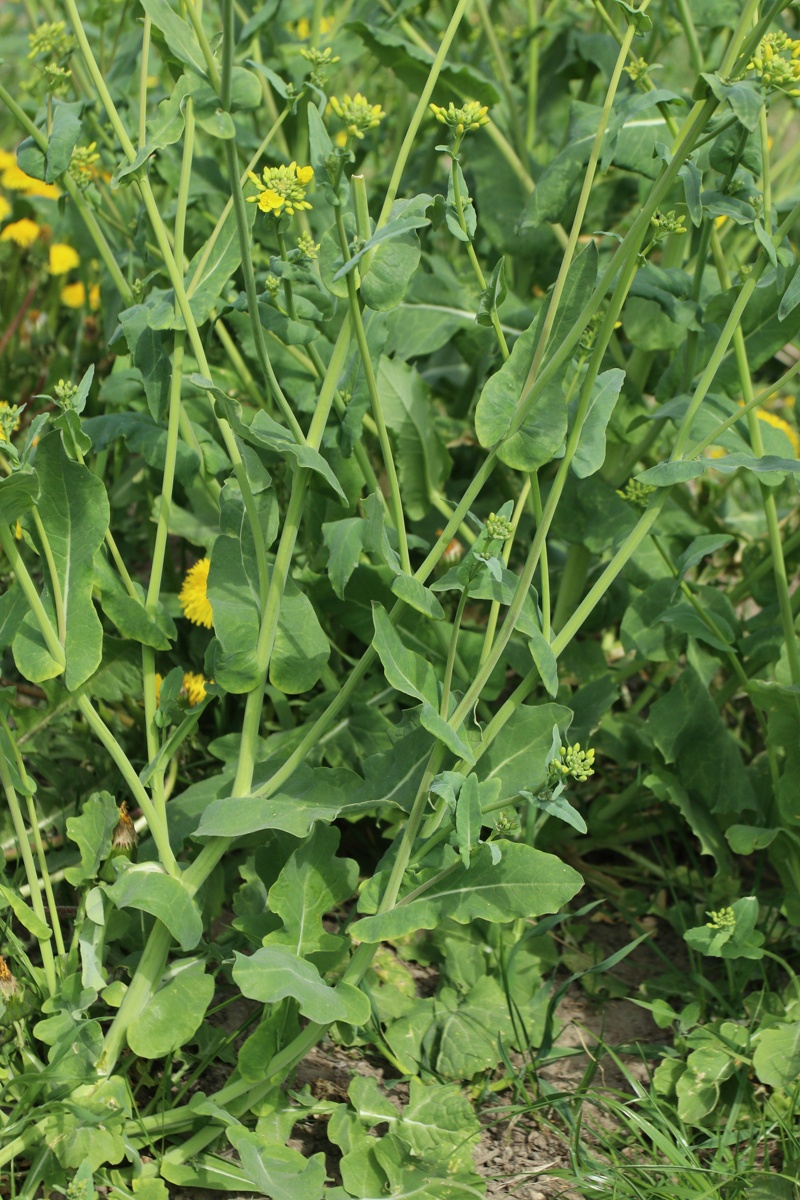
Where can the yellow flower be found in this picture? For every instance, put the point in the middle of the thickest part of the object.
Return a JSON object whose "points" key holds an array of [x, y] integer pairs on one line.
{"points": [[5, 208], [194, 685], [159, 681], [73, 295], [7, 159], [94, 297], [357, 113], [18, 531], [281, 189], [15, 179], [23, 232], [302, 27], [62, 258], [193, 596], [44, 191]]}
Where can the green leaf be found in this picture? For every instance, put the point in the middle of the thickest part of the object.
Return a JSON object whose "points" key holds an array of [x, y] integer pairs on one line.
{"points": [[263, 431], [145, 886], [412, 65], [687, 729], [18, 495], [278, 1171], [546, 424], [493, 294], [744, 839], [744, 97], [179, 36], [312, 794], [233, 594], [545, 660], [66, 130], [668, 473], [275, 972], [174, 1014], [469, 818], [698, 549], [13, 607], [518, 755], [413, 675], [313, 882], [301, 649], [417, 596], [205, 1171], [777, 1056], [525, 883], [641, 22], [91, 832], [790, 298], [422, 460], [208, 275], [396, 227], [25, 914], [557, 806], [591, 451], [74, 512], [344, 541], [150, 354]]}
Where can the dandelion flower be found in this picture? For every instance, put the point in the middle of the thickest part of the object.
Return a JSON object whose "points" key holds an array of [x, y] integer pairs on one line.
{"points": [[193, 596], [194, 687], [37, 188], [73, 295], [62, 258], [7, 159], [23, 232]]}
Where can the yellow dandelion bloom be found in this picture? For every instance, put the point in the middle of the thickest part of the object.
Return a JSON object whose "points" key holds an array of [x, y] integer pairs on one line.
{"points": [[62, 258], [15, 179], [302, 27], [5, 208], [73, 295], [94, 297], [23, 232], [193, 596], [194, 686], [7, 159]]}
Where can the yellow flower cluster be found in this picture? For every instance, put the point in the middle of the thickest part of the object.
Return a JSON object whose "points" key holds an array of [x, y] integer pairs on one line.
{"points": [[461, 120], [23, 233], [194, 687], [357, 114], [302, 28], [193, 596], [777, 63], [281, 189]]}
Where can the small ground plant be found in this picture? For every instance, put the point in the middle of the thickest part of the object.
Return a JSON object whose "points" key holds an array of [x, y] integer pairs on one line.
{"points": [[398, 512]]}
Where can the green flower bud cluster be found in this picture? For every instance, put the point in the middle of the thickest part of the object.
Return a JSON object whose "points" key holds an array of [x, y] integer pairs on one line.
{"points": [[666, 223], [461, 120], [574, 763], [637, 69], [307, 246], [9, 420], [82, 165], [498, 529], [64, 394], [273, 285], [357, 114], [321, 61], [723, 918], [50, 42], [636, 493]]}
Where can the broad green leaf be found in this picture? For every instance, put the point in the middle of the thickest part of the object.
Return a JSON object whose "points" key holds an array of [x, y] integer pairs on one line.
{"points": [[312, 883], [174, 1014], [87, 1125], [777, 1056], [25, 914], [668, 473], [128, 613], [469, 818], [417, 596], [205, 1171], [439, 1123], [413, 675], [163, 130], [545, 660], [557, 806], [699, 548], [344, 541], [209, 274], [398, 226], [301, 649], [412, 64], [467, 1031], [66, 131], [275, 972], [687, 729], [74, 512], [518, 755], [422, 460], [145, 886], [18, 495], [744, 96], [790, 298], [149, 348], [744, 839], [143, 436], [91, 832], [525, 883], [396, 255], [493, 295], [178, 34], [13, 607], [278, 1171], [591, 451], [312, 794], [234, 598]]}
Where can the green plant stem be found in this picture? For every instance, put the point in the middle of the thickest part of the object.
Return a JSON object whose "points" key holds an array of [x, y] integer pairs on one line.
{"points": [[494, 610], [54, 647], [52, 573], [35, 825], [504, 77], [451, 654], [200, 33], [149, 970], [473, 258], [533, 74], [395, 498], [695, 53], [46, 950], [462, 7], [698, 448], [572, 583], [144, 67]]}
